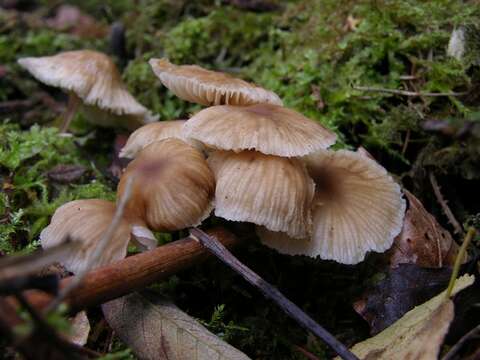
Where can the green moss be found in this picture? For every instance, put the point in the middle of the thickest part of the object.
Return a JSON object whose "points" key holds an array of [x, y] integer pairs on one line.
{"points": [[30, 199]]}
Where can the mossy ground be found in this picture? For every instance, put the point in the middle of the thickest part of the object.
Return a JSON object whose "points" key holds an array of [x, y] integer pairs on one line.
{"points": [[317, 55]]}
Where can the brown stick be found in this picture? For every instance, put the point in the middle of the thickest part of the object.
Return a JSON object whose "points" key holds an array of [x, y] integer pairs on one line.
{"points": [[443, 203], [272, 293], [457, 347], [135, 272]]}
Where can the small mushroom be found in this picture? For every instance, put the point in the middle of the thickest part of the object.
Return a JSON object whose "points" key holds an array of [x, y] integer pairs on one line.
{"points": [[266, 190], [357, 208], [206, 87], [172, 186], [267, 128], [150, 133], [93, 81], [86, 221]]}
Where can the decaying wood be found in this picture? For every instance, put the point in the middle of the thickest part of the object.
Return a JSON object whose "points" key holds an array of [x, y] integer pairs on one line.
{"points": [[134, 272]]}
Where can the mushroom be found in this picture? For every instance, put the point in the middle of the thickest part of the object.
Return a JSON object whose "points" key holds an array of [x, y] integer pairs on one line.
{"points": [[267, 128], [206, 87], [150, 133], [86, 221], [92, 80], [357, 208], [172, 187], [266, 190]]}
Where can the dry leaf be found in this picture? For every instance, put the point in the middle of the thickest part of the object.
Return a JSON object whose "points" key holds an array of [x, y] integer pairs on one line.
{"points": [[80, 329], [418, 335], [72, 19], [156, 329], [66, 174], [402, 289], [422, 240]]}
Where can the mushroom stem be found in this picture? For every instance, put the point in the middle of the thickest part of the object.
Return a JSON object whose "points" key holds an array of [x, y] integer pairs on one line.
{"points": [[72, 107], [271, 292]]}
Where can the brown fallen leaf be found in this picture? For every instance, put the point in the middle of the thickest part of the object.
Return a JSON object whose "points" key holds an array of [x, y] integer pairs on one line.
{"points": [[156, 329], [418, 335], [66, 174], [422, 240], [402, 289], [72, 19]]}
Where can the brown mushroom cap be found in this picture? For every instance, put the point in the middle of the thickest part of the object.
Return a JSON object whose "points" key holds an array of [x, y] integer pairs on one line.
{"points": [[172, 188], [149, 133], [91, 75], [86, 221], [206, 87], [269, 129], [263, 189], [357, 208]]}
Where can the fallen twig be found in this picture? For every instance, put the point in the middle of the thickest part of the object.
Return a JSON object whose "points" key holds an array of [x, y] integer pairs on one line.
{"points": [[443, 203], [15, 105], [133, 273], [272, 293], [456, 348], [406, 92], [17, 266], [43, 342]]}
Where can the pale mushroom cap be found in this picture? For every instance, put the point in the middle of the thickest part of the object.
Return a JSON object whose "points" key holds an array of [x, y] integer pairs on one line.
{"points": [[263, 189], [357, 208], [285, 244], [172, 188], [91, 75], [86, 221], [269, 129], [206, 87], [149, 133]]}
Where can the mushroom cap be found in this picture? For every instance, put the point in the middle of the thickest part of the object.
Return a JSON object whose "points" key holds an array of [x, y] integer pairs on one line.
{"points": [[86, 221], [91, 75], [196, 84], [263, 189], [172, 188], [285, 244], [357, 208], [269, 129], [149, 133]]}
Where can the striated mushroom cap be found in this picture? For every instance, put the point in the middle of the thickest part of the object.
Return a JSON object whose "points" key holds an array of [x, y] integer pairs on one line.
{"points": [[269, 129], [149, 133], [206, 87], [91, 75], [265, 190], [172, 188], [86, 221], [357, 208]]}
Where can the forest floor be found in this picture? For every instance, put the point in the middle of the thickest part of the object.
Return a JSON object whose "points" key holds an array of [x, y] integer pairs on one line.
{"points": [[375, 72]]}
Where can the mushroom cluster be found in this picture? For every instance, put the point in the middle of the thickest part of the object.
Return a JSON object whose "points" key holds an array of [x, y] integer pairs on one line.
{"points": [[250, 159], [273, 168]]}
